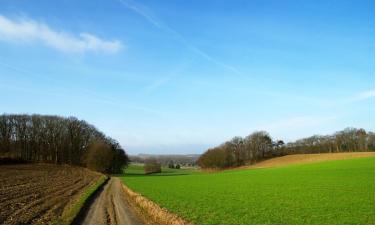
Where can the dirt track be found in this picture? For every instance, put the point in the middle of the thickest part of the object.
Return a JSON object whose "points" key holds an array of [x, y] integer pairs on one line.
{"points": [[111, 207]]}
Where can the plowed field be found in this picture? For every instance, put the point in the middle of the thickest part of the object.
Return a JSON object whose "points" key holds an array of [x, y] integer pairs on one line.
{"points": [[38, 193]]}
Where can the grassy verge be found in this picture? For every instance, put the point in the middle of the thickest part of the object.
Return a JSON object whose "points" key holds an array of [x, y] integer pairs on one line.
{"points": [[152, 211], [71, 212]]}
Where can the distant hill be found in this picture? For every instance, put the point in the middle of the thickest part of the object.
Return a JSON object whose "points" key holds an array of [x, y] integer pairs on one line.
{"points": [[184, 160]]}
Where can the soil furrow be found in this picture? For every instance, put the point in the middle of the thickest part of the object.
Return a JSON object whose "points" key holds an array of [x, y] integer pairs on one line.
{"points": [[38, 193]]}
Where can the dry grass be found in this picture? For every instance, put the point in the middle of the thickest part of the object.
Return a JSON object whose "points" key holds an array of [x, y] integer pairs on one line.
{"points": [[309, 158], [157, 214]]}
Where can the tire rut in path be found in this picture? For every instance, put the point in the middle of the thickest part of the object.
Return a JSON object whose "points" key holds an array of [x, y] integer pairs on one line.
{"points": [[111, 207]]}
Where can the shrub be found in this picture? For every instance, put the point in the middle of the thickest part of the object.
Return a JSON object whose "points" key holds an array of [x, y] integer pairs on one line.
{"points": [[152, 166]]}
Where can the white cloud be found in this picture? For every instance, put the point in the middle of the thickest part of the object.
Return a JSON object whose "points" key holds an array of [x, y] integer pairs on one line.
{"points": [[27, 30], [360, 96], [365, 95]]}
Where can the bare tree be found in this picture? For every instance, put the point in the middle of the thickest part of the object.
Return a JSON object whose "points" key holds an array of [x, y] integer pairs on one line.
{"points": [[259, 146], [54, 139]]}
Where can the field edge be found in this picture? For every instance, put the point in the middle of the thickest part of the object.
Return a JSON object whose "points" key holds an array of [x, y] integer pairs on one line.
{"points": [[72, 211], [153, 211]]}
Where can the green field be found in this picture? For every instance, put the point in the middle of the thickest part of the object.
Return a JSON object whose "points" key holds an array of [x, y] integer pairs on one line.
{"points": [[335, 192]]}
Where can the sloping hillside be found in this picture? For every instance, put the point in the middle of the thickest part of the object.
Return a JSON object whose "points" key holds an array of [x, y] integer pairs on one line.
{"points": [[309, 158]]}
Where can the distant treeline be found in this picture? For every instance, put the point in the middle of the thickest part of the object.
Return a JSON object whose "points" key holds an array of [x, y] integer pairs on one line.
{"points": [[59, 140], [167, 160], [259, 146]]}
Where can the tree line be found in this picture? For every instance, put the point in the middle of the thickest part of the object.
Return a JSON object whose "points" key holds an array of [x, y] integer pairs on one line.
{"points": [[259, 146], [348, 140], [165, 160], [59, 140]]}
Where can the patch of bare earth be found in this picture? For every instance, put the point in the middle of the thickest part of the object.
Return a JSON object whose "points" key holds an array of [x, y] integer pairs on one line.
{"points": [[38, 193], [309, 158]]}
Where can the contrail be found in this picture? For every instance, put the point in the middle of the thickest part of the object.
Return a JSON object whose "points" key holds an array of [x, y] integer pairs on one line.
{"points": [[159, 24]]}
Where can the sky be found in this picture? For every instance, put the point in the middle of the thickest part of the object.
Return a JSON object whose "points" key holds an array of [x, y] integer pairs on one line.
{"points": [[178, 77]]}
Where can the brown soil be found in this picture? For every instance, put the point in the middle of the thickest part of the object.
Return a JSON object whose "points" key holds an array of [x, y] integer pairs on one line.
{"points": [[38, 193], [309, 158]]}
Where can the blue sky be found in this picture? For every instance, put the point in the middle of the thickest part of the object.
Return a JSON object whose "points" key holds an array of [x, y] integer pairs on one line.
{"points": [[182, 76]]}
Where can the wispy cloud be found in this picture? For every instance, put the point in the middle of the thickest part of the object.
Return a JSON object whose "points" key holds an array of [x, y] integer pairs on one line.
{"points": [[172, 74], [27, 30], [157, 84], [142, 11], [360, 96], [58, 88], [364, 95]]}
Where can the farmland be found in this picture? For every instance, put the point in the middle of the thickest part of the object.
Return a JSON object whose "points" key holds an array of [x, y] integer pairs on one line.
{"points": [[41, 193], [309, 158], [332, 192]]}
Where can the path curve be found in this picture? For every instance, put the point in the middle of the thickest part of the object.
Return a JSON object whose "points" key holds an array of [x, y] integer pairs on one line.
{"points": [[111, 207]]}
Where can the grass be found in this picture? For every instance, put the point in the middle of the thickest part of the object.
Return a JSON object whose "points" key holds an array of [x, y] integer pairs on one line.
{"points": [[334, 192], [134, 169], [72, 211]]}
